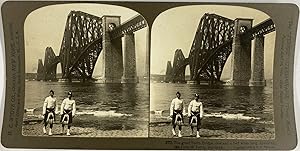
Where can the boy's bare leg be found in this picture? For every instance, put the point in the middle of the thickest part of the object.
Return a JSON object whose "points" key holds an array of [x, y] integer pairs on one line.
{"points": [[68, 130], [192, 130], [62, 128], [173, 130], [198, 133], [44, 129], [179, 132]]}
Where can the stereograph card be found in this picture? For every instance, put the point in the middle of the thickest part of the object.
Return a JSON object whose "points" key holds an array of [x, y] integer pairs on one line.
{"points": [[149, 75]]}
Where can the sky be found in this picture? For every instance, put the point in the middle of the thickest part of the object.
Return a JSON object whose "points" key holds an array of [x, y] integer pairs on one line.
{"points": [[44, 27], [172, 29], [176, 28]]}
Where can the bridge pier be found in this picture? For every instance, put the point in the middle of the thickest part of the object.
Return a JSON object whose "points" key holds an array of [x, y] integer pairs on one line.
{"points": [[169, 72], [257, 71], [241, 54], [129, 72], [40, 71], [146, 77], [112, 52]]}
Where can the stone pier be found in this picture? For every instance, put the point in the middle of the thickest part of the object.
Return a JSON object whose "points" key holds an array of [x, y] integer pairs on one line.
{"points": [[241, 54], [129, 72], [257, 70], [112, 52], [146, 77]]}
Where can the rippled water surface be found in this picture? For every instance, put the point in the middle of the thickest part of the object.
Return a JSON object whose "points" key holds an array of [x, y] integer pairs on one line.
{"points": [[104, 106], [227, 100]]}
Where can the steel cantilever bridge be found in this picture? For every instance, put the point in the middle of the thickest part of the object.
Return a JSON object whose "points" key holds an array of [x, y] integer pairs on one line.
{"points": [[216, 38], [85, 37]]}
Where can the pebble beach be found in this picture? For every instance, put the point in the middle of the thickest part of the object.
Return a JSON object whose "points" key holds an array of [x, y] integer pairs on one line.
{"points": [[165, 132], [36, 130], [86, 126], [216, 128]]}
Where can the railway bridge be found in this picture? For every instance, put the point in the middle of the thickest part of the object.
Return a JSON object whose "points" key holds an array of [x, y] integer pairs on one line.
{"points": [[216, 38], [85, 37]]}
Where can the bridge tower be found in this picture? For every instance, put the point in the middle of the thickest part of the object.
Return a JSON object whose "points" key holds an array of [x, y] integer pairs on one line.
{"points": [[169, 72], [50, 64], [112, 64], [257, 70], [129, 72], [147, 62], [179, 67], [40, 71], [241, 53]]}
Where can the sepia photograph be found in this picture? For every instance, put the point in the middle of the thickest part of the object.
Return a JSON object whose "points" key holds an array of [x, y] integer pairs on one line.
{"points": [[87, 72], [211, 73]]}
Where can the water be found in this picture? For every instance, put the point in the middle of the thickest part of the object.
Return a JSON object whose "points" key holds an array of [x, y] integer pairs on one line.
{"points": [[102, 106], [220, 101], [126, 106]]}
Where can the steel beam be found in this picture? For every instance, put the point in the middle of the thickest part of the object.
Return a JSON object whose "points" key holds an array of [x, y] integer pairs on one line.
{"points": [[134, 24], [260, 29]]}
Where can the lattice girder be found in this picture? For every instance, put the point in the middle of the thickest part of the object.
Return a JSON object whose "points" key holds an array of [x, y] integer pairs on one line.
{"points": [[178, 69], [50, 64], [169, 72], [81, 45], [213, 44], [134, 24], [260, 29], [40, 71], [213, 31]]}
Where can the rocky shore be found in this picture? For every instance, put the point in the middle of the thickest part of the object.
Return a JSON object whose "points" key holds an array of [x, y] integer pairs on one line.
{"points": [[88, 126], [217, 128], [36, 130], [165, 132]]}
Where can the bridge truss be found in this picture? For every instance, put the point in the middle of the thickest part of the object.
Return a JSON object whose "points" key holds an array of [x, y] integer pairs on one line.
{"points": [[82, 45], [212, 46]]}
